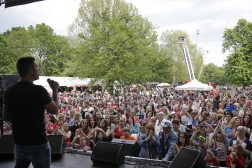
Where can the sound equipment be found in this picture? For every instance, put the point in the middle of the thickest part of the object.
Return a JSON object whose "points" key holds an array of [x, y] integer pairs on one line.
{"points": [[188, 158], [57, 143], [6, 81], [6, 146], [108, 153], [129, 146]]}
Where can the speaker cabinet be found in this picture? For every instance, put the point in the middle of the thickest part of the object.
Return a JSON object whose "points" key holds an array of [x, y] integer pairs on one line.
{"points": [[108, 153], [128, 145], [57, 143], [188, 158]]}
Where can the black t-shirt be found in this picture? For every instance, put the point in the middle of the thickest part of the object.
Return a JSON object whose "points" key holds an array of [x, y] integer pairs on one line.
{"points": [[26, 103]]}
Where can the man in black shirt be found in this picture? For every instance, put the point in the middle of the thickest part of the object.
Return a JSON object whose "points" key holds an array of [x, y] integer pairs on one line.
{"points": [[24, 106]]}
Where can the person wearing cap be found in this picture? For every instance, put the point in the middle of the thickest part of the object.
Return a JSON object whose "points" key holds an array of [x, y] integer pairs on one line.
{"points": [[149, 143], [202, 141], [167, 138], [211, 159]]}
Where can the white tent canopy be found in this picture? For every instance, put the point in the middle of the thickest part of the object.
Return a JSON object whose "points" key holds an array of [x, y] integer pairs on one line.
{"points": [[63, 81], [164, 84], [194, 85]]}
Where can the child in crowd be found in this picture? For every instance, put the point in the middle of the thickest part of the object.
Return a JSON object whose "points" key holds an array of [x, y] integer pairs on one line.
{"points": [[201, 145], [211, 159], [83, 143], [235, 158]]}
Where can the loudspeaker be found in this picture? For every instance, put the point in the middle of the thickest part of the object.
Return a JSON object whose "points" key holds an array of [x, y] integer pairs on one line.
{"points": [[128, 145], [6, 147], [57, 143], [188, 158], [108, 153]]}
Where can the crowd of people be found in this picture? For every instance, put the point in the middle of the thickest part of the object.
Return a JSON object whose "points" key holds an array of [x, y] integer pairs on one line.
{"points": [[161, 122]]}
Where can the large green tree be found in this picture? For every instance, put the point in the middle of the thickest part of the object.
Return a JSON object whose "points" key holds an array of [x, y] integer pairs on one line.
{"points": [[115, 44], [238, 41], [213, 73], [172, 49]]}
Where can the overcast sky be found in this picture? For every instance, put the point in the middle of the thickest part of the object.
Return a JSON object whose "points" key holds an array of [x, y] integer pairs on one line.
{"points": [[211, 17]]}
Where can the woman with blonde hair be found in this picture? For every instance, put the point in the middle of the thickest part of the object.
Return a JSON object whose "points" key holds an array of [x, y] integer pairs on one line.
{"points": [[71, 115], [213, 121], [231, 128], [61, 120]]}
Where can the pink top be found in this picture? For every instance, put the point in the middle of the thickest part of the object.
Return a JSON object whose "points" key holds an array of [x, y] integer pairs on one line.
{"points": [[136, 119], [87, 148], [82, 136], [48, 129]]}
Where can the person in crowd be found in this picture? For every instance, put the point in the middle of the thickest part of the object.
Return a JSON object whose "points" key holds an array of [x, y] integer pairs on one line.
{"points": [[92, 125], [110, 124], [202, 132], [115, 120], [149, 115], [49, 125], [231, 128], [167, 138], [201, 145], [229, 116], [120, 114], [134, 127], [189, 122], [126, 134], [52, 119], [181, 126], [86, 109], [142, 130], [211, 159], [175, 125], [204, 117], [133, 114], [241, 139], [71, 115], [183, 142], [246, 122], [98, 116], [236, 157], [149, 143], [75, 122], [213, 121], [118, 132], [61, 121], [84, 130], [82, 145], [102, 132], [220, 114], [65, 131], [220, 139]]}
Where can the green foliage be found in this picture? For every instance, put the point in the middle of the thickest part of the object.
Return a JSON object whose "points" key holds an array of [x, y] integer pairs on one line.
{"points": [[171, 48], [116, 44], [213, 73], [238, 41]]}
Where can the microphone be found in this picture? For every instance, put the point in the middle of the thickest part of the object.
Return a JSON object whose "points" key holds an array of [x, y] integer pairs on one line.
{"points": [[51, 81]]}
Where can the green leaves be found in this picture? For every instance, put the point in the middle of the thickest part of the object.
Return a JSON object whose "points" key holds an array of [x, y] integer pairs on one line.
{"points": [[239, 62]]}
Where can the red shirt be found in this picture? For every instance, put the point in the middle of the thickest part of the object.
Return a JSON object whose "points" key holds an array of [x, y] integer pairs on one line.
{"points": [[117, 133], [213, 162], [239, 161]]}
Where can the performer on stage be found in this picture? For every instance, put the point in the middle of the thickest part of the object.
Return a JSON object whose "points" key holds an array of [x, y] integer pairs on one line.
{"points": [[24, 106]]}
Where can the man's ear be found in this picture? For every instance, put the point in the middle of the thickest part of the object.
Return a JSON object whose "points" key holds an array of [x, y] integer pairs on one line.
{"points": [[30, 71]]}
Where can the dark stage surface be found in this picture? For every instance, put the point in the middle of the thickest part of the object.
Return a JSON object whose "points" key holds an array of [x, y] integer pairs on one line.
{"points": [[70, 160]]}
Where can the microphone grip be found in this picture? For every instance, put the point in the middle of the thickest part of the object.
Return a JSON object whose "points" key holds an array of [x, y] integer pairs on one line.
{"points": [[59, 89]]}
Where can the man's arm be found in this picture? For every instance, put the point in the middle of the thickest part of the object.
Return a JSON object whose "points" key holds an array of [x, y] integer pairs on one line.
{"points": [[53, 106], [171, 150], [6, 115]]}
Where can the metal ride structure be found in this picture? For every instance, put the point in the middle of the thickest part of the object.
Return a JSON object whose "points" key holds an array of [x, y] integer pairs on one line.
{"points": [[202, 65], [187, 57]]}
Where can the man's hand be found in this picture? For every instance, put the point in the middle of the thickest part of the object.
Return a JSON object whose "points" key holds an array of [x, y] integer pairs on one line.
{"points": [[164, 160], [53, 85]]}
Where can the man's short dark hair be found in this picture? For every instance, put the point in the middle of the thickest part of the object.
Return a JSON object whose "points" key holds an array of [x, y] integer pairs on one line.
{"points": [[24, 64]]}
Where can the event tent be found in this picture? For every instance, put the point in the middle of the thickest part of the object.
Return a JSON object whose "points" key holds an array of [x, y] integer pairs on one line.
{"points": [[63, 81], [194, 85], [163, 84]]}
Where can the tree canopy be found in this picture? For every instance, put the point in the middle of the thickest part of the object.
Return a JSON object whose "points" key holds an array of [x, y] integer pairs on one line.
{"points": [[238, 41], [116, 44]]}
